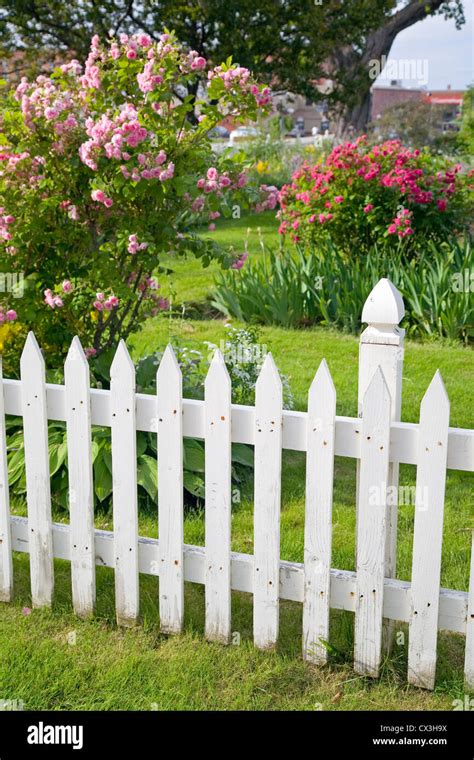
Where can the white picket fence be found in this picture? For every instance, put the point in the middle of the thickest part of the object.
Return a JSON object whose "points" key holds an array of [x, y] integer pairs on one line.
{"points": [[377, 439]]}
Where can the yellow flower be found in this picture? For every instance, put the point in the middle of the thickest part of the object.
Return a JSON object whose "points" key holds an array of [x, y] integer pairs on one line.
{"points": [[94, 316], [7, 331], [262, 166]]}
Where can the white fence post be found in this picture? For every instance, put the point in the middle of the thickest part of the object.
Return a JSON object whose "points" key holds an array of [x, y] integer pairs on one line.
{"points": [[318, 515], [469, 656], [6, 563], [169, 408], [268, 433], [428, 534], [381, 345], [38, 487], [218, 513], [372, 526], [124, 478], [81, 481]]}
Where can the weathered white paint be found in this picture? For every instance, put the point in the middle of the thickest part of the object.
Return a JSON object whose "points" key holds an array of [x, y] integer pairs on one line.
{"points": [[428, 534], [403, 435], [318, 515], [382, 345], [372, 526], [170, 492], [469, 658], [124, 480], [81, 486], [6, 564], [268, 419], [218, 465], [396, 602], [35, 426]]}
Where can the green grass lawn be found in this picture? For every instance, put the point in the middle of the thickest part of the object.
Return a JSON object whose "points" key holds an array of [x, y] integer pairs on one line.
{"points": [[139, 669], [191, 282]]}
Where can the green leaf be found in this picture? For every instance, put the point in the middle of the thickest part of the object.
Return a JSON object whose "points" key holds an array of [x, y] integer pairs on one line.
{"points": [[193, 483], [147, 475], [193, 455], [102, 479], [242, 454]]}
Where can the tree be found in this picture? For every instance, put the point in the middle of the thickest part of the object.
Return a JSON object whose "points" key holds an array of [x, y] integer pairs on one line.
{"points": [[466, 134], [416, 124], [291, 44]]}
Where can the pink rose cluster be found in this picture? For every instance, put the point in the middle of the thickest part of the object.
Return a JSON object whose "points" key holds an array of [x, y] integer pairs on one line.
{"points": [[237, 78], [101, 302], [6, 220], [7, 316], [269, 198], [100, 197], [52, 300], [21, 169], [401, 224], [134, 246], [148, 287], [368, 172]]}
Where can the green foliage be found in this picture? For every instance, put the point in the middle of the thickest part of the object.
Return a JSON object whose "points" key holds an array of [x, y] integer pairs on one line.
{"points": [[466, 134], [273, 161], [296, 289]]}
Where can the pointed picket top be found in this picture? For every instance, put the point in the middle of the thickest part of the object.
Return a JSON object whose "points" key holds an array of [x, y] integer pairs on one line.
{"points": [[217, 372], [122, 362], [436, 397], [376, 388], [384, 306], [269, 377], [322, 385], [31, 356], [76, 358], [169, 365]]}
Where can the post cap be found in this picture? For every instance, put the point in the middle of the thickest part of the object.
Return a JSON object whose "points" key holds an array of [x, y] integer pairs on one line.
{"points": [[384, 306]]}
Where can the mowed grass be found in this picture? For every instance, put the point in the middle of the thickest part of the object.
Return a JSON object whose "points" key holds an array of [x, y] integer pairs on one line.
{"points": [[140, 669], [190, 282]]}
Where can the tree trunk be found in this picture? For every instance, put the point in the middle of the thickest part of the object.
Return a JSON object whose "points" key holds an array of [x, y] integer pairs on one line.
{"points": [[356, 116]]}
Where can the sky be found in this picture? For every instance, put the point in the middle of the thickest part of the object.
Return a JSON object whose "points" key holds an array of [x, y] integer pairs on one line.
{"points": [[442, 55]]}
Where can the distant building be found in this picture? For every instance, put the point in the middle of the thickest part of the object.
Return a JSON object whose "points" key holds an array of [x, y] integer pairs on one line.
{"points": [[383, 98]]}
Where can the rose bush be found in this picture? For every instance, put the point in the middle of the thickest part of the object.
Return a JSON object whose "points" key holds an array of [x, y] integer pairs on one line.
{"points": [[364, 195], [103, 169]]}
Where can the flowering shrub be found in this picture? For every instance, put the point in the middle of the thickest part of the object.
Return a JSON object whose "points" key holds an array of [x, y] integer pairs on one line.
{"points": [[103, 169], [363, 195]]}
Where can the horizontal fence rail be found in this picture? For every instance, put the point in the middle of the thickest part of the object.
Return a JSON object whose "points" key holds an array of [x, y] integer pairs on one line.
{"points": [[403, 435], [375, 439]]}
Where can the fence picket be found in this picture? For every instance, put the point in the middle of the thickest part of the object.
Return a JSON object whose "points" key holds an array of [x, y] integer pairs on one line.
{"points": [[428, 534], [372, 525], [318, 514], [81, 487], [268, 434], [170, 492], [124, 479], [218, 464], [6, 562], [469, 657], [35, 430]]}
